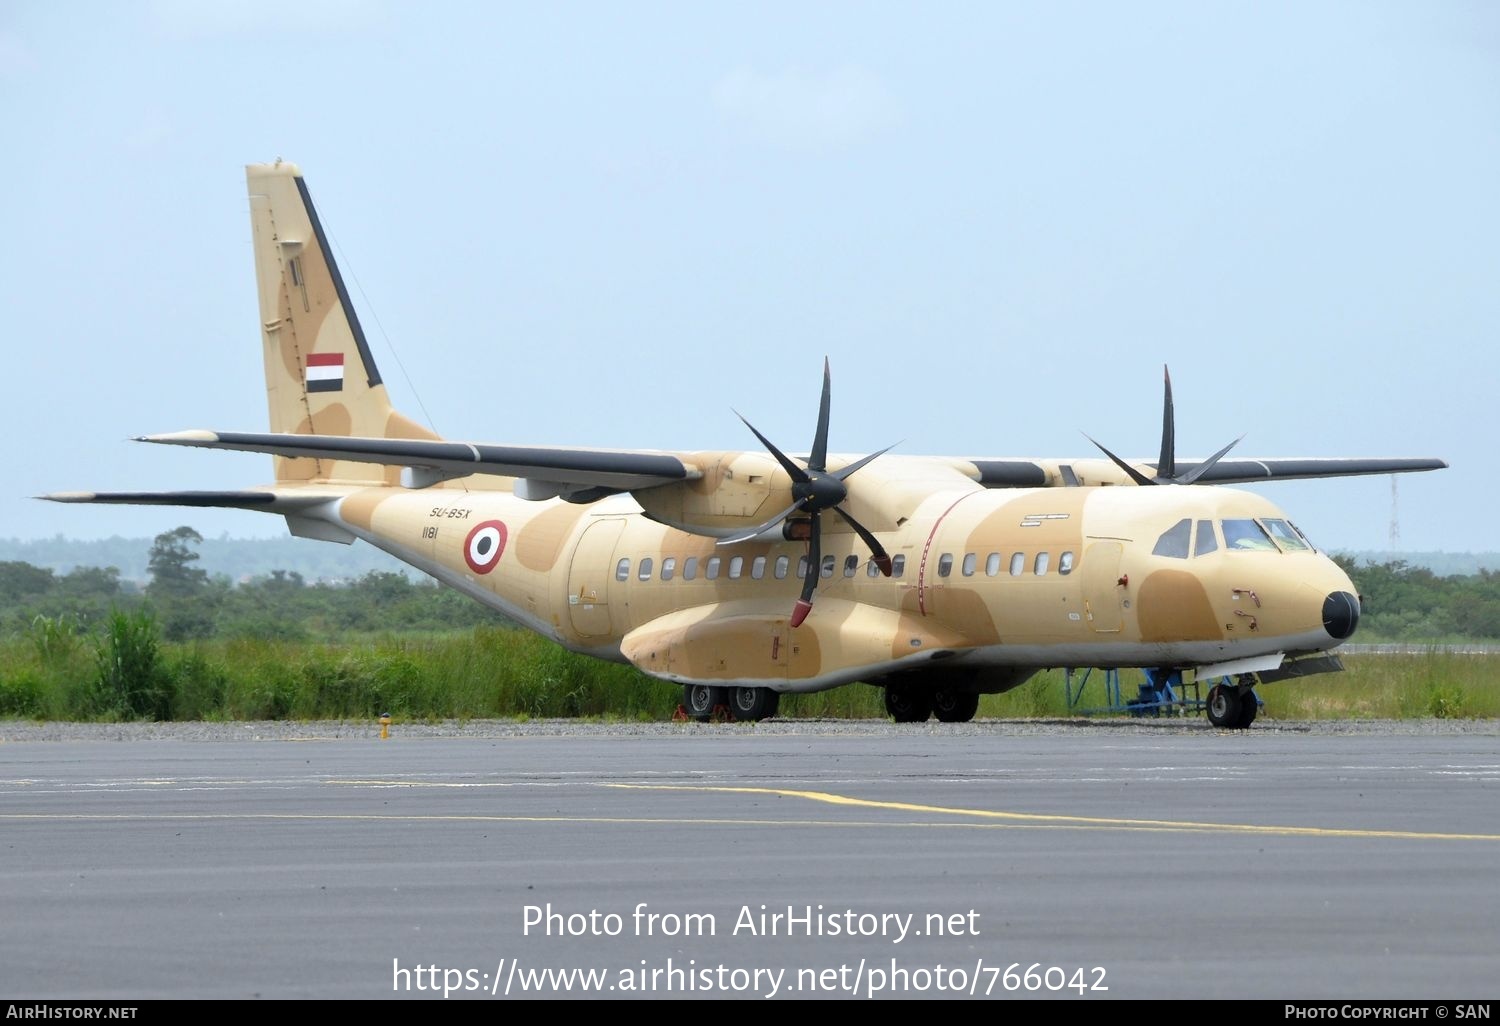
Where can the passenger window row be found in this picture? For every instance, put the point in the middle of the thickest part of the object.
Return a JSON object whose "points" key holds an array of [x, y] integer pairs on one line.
{"points": [[734, 567], [1040, 564], [715, 567]]}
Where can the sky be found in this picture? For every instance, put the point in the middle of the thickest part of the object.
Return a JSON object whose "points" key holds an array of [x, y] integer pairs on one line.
{"points": [[612, 225]]}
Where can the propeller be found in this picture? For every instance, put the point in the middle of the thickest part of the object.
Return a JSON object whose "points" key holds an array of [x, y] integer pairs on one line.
{"points": [[1166, 466], [815, 491]]}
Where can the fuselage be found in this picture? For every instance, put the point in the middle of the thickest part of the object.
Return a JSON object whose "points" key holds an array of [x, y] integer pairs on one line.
{"points": [[1175, 576]]}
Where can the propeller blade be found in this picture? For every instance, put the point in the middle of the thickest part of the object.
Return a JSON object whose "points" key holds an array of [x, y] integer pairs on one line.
{"points": [[1135, 475], [881, 558], [797, 473], [1203, 467], [751, 532], [1166, 467], [818, 458], [814, 569], [843, 474]]}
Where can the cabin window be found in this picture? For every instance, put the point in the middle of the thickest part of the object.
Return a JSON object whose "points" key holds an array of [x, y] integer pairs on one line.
{"points": [[1286, 536], [851, 564], [871, 570], [1017, 564], [782, 563], [736, 566], [801, 567], [1174, 541], [1206, 541], [1246, 535], [826, 570], [644, 573], [992, 564], [945, 564], [690, 568], [622, 569], [1042, 561], [1065, 563], [898, 565], [711, 571], [668, 568], [758, 567], [970, 562]]}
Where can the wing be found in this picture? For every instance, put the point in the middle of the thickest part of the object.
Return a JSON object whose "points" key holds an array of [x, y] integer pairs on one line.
{"points": [[1000, 472]]}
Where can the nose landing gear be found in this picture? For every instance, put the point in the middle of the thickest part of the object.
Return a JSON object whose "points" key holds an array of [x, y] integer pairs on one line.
{"points": [[1233, 706]]}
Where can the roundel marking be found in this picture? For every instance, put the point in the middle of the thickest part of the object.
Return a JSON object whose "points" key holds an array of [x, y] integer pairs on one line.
{"points": [[483, 546]]}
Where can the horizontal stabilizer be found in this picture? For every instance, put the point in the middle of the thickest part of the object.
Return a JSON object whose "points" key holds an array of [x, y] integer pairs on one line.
{"points": [[594, 468], [261, 500]]}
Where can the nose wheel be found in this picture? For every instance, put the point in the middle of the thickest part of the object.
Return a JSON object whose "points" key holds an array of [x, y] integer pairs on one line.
{"points": [[1232, 706]]}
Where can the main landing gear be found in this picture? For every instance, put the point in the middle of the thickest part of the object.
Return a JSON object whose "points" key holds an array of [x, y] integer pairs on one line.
{"points": [[702, 701], [914, 703]]}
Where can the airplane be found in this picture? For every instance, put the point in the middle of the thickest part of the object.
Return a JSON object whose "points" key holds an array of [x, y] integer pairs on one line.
{"points": [[745, 575]]}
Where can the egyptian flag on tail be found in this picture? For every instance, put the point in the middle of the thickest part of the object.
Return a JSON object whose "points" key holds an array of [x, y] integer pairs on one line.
{"points": [[325, 372]]}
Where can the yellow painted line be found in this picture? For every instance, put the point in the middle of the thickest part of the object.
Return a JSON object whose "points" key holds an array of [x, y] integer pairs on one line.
{"points": [[617, 820], [1076, 821]]}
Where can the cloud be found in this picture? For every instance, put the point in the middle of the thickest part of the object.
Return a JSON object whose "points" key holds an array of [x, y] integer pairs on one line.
{"points": [[807, 111]]}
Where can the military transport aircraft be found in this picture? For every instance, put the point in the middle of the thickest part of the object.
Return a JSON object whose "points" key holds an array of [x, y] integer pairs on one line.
{"points": [[936, 578]]}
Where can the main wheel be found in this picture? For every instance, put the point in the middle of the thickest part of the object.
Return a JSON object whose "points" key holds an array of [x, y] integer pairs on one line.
{"points": [[753, 703], [1224, 706], [1249, 706], [954, 706], [908, 703], [700, 700]]}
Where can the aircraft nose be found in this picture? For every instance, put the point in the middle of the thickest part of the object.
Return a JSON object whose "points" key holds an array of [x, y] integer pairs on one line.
{"points": [[1340, 614]]}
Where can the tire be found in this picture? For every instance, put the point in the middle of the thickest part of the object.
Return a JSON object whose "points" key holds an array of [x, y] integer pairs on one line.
{"points": [[753, 703], [1224, 706], [700, 700], [954, 706], [908, 703], [1249, 706]]}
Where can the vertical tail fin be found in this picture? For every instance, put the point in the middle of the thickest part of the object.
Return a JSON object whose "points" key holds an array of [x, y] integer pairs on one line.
{"points": [[320, 376]]}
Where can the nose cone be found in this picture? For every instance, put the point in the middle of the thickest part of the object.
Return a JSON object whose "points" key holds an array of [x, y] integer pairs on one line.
{"points": [[1340, 614]]}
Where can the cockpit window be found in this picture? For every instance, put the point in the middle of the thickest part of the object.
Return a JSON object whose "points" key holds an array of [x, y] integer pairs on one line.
{"points": [[1286, 536], [1206, 541], [1174, 542], [1246, 535]]}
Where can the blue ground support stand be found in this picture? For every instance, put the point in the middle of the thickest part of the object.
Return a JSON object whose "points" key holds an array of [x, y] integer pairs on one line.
{"points": [[1162, 692]]}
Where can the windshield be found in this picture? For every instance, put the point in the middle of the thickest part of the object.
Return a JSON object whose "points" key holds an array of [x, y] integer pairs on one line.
{"points": [[1286, 536], [1246, 535]]}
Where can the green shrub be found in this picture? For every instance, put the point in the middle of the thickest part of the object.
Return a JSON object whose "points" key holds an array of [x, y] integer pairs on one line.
{"points": [[131, 682]]}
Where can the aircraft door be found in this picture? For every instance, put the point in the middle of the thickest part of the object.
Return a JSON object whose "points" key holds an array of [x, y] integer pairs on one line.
{"points": [[1102, 593], [589, 576]]}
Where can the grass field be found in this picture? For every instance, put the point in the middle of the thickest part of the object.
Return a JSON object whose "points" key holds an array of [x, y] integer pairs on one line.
{"points": [[128, 673]]}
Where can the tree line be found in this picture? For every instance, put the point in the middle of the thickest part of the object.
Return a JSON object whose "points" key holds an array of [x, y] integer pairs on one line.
{"points": [[189, 604]]}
